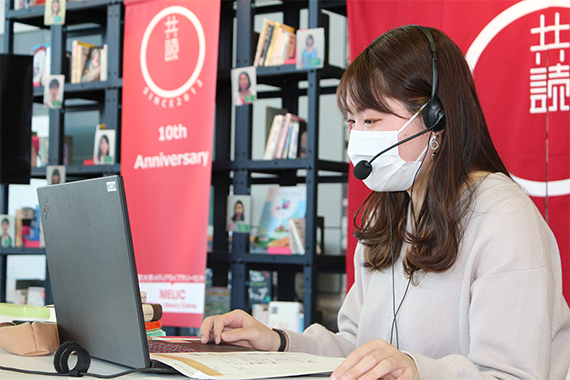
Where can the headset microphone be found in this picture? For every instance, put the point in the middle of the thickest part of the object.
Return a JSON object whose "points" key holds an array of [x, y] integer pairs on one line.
{"points": [[434, 117], [363, 169]]}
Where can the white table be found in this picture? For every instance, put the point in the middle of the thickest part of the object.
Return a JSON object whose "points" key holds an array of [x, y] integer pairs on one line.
{"points": [[45, 363]]}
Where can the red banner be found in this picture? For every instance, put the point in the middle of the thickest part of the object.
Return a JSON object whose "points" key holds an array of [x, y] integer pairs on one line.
{"points": [[169, 86], [519, 54]]}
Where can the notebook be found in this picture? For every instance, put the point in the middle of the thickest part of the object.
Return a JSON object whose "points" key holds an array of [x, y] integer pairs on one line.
{"points": [[93, 273]]}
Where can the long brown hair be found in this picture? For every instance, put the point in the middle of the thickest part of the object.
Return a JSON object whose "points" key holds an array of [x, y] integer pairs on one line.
{"points": [[398, 65]]}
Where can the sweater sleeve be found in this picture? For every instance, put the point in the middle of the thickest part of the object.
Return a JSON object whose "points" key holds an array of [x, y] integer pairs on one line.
{"points": [[518, 321], [316, 339]]}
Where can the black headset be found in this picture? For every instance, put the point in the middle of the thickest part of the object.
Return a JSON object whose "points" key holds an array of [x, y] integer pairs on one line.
{"points": [[434, 117]]}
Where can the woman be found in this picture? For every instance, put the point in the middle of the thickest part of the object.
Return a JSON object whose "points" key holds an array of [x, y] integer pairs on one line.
{"points": [[244, 95], [309, 52], [457, 274], [103, 155], [237, 218]]}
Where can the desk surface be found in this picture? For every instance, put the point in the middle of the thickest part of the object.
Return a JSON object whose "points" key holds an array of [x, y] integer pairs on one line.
{"points": [[45, 363]]}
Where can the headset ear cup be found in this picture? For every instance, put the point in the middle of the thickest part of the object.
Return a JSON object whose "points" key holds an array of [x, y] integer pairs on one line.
{"points": [[434, 117]]}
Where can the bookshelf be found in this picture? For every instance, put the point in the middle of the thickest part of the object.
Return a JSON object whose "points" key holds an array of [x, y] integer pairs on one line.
{"points": [[240, 171], [105, 17], [83, 18]]}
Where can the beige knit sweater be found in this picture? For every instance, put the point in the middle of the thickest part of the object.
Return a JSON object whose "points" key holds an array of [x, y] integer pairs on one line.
{"points": [[497, 313]]}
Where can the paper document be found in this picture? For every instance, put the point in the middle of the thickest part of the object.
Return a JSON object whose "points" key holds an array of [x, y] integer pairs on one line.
{"points": [[247, 365]]}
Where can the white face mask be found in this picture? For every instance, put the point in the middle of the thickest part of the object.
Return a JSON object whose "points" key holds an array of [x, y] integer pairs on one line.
{"points": [[389, 171]]}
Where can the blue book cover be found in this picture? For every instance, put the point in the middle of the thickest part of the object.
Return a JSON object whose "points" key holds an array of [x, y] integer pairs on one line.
{"points": [[281, 204]]}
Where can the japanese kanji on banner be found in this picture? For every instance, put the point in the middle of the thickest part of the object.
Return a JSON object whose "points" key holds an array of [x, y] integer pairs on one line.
{"points": [[169, 86], [519, 52]]}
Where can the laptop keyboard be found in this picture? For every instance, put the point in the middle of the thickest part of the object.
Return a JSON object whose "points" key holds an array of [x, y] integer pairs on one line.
{"points": [[160, 346]]}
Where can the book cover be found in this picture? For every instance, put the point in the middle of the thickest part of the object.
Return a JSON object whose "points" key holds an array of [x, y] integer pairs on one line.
{"points": [[217, 300], [29, 219], [267, 43], [270, 113], [8, 223], [260, 287], [278, 53], [261, 41], [281, 204], [41, 63], [282, 150], [79, 55], [95, 67], [297, 235], [299, 128], [273, 137]]}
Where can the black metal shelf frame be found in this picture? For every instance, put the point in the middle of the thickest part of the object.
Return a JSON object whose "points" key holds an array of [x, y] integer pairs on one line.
{"points": [[238, 172], [83, 17]]}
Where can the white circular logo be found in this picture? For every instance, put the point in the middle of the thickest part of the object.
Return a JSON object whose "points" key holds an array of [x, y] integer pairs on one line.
{"points": [[508, 16], [201, 52]]}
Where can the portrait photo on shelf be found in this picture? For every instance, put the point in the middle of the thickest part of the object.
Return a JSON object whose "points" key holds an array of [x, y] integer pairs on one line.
{"points": [[54, 13], [8, 223], [239, 213], [104, 149], [53, 91], [310, 48], [55, 174], [244, 82]]}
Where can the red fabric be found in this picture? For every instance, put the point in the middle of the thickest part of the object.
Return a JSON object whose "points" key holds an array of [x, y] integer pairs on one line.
{"points": [[166, 150], [535, 146]]}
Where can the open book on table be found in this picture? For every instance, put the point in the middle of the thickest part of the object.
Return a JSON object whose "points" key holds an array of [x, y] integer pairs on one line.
{"points": [[247, 364]]}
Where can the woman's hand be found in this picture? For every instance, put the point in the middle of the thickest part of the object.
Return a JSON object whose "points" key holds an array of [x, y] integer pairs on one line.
{"points": [[377, 359], [239, 328]]}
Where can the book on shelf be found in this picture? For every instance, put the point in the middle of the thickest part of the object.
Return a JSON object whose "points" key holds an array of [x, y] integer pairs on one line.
{"points": [[283, 138], [88, 62], [297, 236], [28, 227], [25, 4], [286, 315], [217, 300], [41, 63], [275, 45], [281, 204], [260, 287]]}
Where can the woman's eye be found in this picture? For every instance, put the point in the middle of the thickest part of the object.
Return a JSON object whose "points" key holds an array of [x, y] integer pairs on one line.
{"points": [[350, 123]]}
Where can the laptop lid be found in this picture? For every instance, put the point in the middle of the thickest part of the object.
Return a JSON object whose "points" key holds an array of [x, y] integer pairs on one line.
{"points": [[92, 269]]}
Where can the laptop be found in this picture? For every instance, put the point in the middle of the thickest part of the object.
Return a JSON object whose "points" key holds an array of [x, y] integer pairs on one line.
{"points": [[93, 273], [92, 269]]}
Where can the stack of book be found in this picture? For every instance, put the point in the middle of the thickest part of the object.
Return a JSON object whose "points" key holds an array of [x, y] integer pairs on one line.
{"points": [[285, 137], [88, 62], [152, 313], [276, 44]]}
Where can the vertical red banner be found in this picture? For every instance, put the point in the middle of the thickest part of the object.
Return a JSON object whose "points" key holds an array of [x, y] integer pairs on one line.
{"points": [[169, 86], [519, 52]]}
